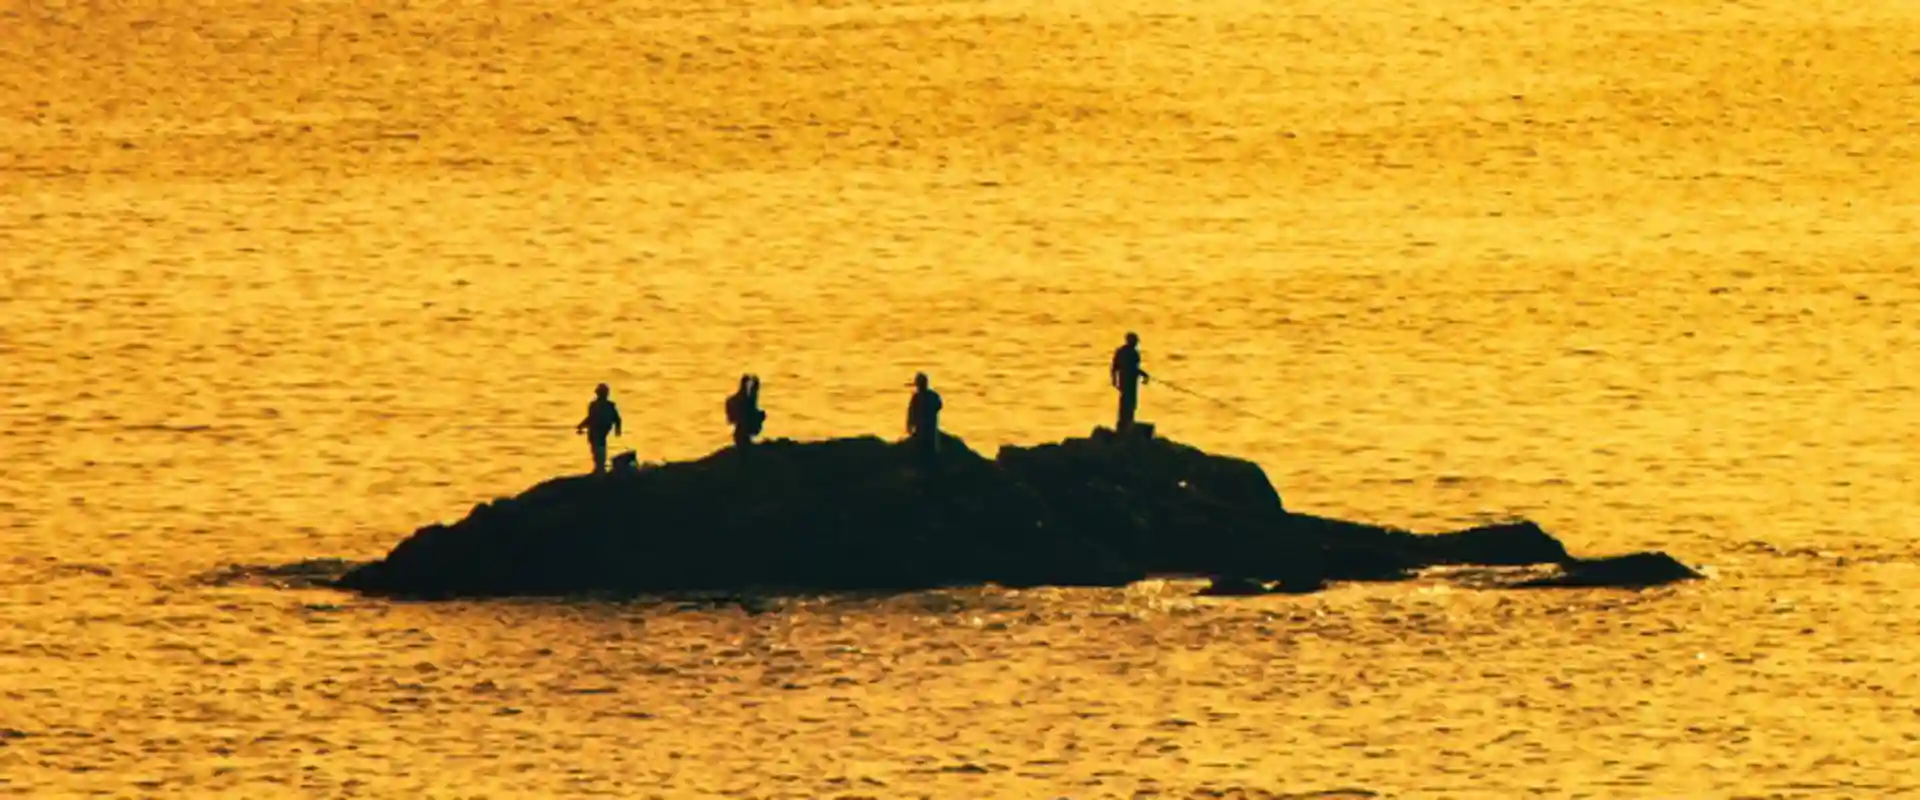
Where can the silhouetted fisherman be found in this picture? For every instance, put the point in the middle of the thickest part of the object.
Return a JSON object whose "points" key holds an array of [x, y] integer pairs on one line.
{"points": [[602, 417], [923, 417], [1127, 377], [743, 411]]}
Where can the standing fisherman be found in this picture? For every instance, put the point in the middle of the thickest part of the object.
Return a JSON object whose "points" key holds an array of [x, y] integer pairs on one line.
{"points": [[744, 413], [923, 417], [1127, 377], [602, 417]]}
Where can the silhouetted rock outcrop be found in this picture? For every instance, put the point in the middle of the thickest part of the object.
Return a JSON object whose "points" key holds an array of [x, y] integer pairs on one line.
{"points": [[1629, 571], [863, 513]]}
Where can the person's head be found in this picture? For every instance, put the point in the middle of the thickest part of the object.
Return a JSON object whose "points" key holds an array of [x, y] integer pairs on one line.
{"points": [[601, 391], [920, 380], [1132, 338], [745, 381]]}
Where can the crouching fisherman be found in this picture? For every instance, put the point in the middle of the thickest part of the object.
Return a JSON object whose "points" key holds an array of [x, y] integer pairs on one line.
{"points": [[744, 412], [923, 417], [602, 417]]}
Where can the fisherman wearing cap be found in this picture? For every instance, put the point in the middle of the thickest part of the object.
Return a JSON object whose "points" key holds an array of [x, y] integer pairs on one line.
{"points": [[923, 416], [602, 417], [1127, 376]]}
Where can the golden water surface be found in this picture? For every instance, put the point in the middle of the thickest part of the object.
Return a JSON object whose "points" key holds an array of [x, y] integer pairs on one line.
{"points": [[283, 280]]}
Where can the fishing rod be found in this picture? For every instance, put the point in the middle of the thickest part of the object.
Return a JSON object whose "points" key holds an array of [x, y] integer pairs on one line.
{"points": [[1217, 401], [500, 426], [438, 430]]}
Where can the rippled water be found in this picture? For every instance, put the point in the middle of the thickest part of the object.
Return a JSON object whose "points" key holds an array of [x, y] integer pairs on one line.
{"points": [[282, 281]]}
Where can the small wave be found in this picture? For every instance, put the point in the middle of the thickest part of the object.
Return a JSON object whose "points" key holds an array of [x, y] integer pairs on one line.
{"points": [[1856, 554], [313, 573], [158, 427]]}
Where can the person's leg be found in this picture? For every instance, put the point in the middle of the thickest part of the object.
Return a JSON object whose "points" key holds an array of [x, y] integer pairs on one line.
{"points": [[599, 454], [1129, 402]]}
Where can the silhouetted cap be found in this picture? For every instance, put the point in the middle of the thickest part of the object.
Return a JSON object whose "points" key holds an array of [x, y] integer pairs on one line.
{"points": [[1133, 338], [920, 380]]}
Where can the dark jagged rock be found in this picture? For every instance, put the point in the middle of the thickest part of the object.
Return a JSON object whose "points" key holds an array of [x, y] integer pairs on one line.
{"points": [[1163, 505], [1354, 551], [862, 513], [1632, 571], [840, 514]]}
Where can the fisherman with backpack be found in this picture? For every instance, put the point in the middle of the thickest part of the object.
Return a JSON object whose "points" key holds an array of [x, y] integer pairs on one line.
{"points": [[744, 412]]}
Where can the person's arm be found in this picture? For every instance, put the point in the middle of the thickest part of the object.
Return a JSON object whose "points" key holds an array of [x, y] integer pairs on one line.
{"points": [[615, 410], [582, 427], [1113, 372]]}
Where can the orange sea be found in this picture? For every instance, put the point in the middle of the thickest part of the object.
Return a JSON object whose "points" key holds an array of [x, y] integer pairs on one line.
{"points": [[285, 280]]}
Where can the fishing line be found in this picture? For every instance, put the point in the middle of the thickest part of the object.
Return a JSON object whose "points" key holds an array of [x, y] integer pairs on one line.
{"points": [[1219, 402]]}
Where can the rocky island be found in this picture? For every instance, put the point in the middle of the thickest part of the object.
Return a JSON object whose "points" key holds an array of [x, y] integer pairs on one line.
{"points": [[866, 514]]}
